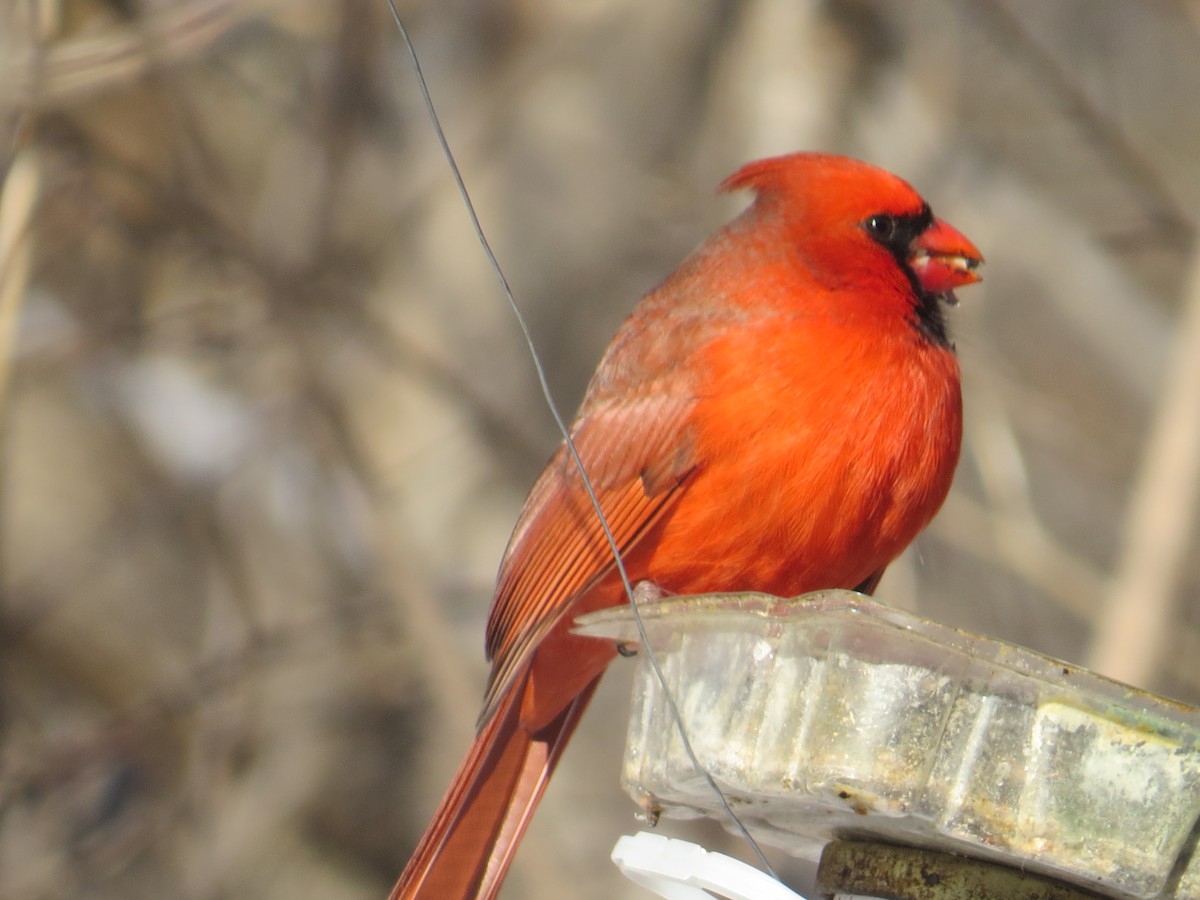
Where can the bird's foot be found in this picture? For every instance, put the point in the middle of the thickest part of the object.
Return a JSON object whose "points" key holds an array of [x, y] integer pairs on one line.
{"points": [[643, 592], [648, 592]]}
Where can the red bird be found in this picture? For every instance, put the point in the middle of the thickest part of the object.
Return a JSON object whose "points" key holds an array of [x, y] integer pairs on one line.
{"points": [[782, 414]]}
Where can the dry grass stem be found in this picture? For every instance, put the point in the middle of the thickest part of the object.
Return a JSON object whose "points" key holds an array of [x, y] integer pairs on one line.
{"points": [[1133, 633]]}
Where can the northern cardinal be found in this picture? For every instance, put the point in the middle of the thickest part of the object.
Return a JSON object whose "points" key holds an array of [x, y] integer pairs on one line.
{"points": [[782, 414]]}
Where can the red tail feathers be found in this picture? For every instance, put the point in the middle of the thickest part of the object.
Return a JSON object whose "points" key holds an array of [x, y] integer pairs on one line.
{"points": [[467, 848]]}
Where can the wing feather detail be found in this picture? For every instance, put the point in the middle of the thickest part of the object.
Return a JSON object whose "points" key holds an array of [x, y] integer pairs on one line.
{"points": [[637, 453]]}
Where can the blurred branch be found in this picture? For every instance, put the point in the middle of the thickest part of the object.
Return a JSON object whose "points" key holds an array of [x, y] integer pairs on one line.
{"points": [[39, 75], [1022, 546], [1180, 664], [17, 201], [1133, 631], [511, 434], [1022, 542], [1007, 28]]}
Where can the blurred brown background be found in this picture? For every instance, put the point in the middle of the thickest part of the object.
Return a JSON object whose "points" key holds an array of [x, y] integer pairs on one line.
{"points": [[267, 420]]}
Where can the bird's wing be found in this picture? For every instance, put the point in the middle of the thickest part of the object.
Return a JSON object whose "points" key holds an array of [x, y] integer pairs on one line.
{"points": [[637, 452]]}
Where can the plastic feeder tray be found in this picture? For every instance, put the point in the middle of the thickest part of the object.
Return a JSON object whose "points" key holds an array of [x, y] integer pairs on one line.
{"points": [[832, 716]]}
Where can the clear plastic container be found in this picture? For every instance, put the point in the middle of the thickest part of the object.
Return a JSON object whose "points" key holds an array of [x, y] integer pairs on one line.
{"points": [[834, 715]]}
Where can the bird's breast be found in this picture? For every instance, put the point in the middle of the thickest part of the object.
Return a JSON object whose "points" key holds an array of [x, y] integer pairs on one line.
{"points": [[821, 454]]}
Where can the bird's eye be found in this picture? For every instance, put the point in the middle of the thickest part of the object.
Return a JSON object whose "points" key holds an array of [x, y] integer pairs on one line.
{"points": [[881, 227]]}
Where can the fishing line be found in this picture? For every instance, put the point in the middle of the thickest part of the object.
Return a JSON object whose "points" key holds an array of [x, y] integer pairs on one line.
{"points": [[566, 434]]}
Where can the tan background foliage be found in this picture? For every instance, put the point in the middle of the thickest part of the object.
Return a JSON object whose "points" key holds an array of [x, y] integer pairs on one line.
{"points": [[267, 420]]}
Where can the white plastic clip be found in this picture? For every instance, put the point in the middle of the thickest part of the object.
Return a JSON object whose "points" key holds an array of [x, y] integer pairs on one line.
{"points": [[681, 870]]}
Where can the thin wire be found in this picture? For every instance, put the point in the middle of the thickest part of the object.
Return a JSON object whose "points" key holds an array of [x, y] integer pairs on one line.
{"points": [[570, 443]]}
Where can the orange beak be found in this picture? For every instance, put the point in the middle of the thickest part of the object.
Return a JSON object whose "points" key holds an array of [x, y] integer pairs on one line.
{"points": [[942, 259]]}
